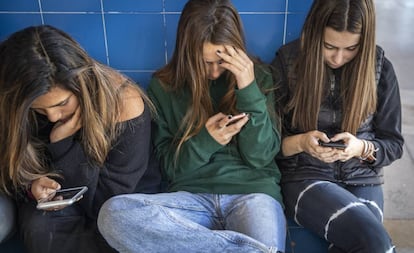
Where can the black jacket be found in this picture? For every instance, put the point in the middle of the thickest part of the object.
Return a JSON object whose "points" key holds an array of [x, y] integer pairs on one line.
{"points": [[382, 128]]}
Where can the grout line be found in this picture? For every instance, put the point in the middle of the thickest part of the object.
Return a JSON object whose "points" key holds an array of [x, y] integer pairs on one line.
{"points": [[285, 22], [131, 12], [165, 32], [104, 33], [41, 12]]}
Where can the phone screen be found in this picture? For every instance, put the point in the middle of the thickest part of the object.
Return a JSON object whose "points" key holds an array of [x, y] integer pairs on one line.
{"points": [[62, 198], [337, 144]]}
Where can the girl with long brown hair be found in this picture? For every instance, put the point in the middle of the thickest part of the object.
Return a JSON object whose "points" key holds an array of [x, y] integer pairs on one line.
{"points": [[341, 125], [216, 138], [66, 121]]}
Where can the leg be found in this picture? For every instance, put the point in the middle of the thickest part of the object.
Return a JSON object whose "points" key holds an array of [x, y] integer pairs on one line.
{"points": [[336, 215], [258, 216], [67, 230], [7, 217], [168, 222], [372, 196]]}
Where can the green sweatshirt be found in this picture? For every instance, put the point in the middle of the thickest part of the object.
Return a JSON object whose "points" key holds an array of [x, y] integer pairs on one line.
{"points": [[245, 165]]}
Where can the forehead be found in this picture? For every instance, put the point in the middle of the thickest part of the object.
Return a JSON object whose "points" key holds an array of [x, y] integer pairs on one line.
{"points": [[53, 96], [341, 39], [209, 51]]}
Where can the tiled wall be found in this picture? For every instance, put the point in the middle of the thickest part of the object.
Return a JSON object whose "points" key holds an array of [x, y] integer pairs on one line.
{"points": [[137, 36]]}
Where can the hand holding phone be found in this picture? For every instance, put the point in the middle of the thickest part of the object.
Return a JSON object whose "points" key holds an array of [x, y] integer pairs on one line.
{"points": [[333, 144], [62, 198], [235, 118]]}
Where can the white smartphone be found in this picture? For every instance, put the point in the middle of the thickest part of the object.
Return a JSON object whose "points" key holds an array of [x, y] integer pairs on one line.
{"points": [[235, 118], [62, 198]]}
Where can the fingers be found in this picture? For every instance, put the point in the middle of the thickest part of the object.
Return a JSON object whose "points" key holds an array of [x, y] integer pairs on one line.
{"points": [[67, 127], [43, 187], [237, 62], [223, 127]]}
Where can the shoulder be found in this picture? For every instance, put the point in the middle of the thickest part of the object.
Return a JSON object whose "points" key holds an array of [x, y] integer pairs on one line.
{"points": [[263, 75], [155, 85], [158, 91], [289, 50], [384, 67], [285, 58], [132, 103]]}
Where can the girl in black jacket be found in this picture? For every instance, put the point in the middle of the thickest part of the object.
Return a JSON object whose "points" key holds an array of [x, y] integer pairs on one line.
{"points": [[337, 86]]}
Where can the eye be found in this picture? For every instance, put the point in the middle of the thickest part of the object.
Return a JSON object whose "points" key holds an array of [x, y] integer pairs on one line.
{"points": [[353, 48], [329, 47], [40, 111], [65, 102]]}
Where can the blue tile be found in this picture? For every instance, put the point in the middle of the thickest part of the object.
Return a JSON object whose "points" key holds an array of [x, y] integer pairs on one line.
{"points": [[171, 32], [142, 78], [299, 6], [294, 26], [139, 47], [19, 5], [133, 5], [71, 5], [264, 34], [174, 5], [260, 5], [11, 23], [87, 29]]}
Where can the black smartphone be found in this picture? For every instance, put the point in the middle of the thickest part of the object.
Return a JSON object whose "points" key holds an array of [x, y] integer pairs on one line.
{"points": [[333, 144]]}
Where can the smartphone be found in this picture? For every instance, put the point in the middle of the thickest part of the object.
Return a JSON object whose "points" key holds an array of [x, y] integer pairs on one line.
{"points": [[236, 118], [62, 198], [333, 144]]}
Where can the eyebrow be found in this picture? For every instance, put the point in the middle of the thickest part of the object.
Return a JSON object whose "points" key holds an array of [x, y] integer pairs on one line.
{"points": [[326, 43], [57, 104]]}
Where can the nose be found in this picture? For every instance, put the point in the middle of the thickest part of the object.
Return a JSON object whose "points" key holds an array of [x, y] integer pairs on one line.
{"points": [[215, 71], [53, 115], [338, 57]]}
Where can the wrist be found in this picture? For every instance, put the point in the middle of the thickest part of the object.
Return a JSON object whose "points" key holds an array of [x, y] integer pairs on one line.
{"points": [[368, 153]]}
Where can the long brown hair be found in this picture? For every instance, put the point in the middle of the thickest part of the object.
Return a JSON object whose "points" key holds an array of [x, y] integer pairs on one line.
{"points": [[201, 21], [32, 61], [358, 85]]}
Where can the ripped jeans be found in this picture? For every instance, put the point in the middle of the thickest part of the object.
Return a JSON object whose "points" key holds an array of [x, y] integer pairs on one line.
{"points": [[349, 217]]}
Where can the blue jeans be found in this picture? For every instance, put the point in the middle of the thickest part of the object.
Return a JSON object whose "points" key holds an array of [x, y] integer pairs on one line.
{"points": [[349, 217], [188, 222], [7, 217]]}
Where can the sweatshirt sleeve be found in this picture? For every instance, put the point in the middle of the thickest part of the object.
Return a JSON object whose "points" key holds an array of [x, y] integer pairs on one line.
{"points": [[259, 139], [123, 168]]}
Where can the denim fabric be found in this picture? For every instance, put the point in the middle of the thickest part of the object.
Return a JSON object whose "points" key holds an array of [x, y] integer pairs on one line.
{"points": [[187, 222], [349, 217], [7, 217]]}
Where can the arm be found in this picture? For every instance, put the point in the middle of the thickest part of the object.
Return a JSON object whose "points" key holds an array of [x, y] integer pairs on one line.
{"points": [[387, 119], [125, 164], [259, 140]]}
